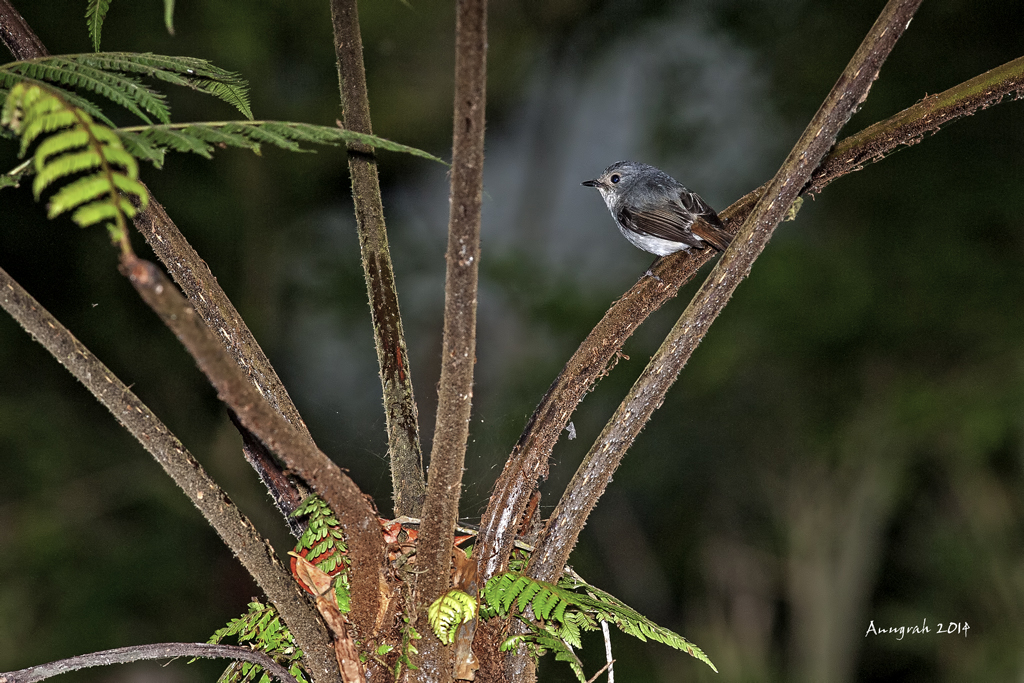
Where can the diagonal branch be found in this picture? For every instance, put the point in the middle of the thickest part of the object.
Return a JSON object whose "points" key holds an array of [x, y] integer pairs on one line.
{"points": [[212, 304], [595, 355], [237, 532], [409, 488], [458, 355], [910, 125], [649, 391], [366, 544], [17, 36], [137, 653]]}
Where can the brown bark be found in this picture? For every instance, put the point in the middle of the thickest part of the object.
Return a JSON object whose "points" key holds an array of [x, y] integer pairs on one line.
{"points": [[408, 485], [357, 518], [16, 34], [137, 653], [458, 356]]}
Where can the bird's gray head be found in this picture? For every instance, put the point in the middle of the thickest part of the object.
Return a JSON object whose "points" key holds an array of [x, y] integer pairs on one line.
{"points": [[640, 183]]}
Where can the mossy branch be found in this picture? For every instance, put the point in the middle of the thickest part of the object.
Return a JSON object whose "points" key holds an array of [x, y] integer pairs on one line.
{"points": [[458, 355], [298, 453], [138, 653], [402, 419]]}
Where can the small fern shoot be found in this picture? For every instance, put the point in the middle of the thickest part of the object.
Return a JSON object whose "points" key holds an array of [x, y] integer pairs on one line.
{"points": [[76, 144], [449, 611]]}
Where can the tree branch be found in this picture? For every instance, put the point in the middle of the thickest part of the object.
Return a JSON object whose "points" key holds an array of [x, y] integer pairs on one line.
{"points": [[596, 354], [910, 125], [212, 304], [649, 391], [125, 655], [409, 488], [357, 518], [16, 34], [237, 532], [458, 355]]}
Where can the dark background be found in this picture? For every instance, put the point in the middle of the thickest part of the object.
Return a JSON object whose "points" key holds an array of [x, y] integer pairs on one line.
{"points": [[845, 447]]}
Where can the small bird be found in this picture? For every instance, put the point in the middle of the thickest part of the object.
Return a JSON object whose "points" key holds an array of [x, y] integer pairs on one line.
{"points": [[655, 212]]}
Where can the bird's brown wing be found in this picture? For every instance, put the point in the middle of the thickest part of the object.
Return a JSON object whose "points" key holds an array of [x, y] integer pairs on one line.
{"points": [[679, 223], [667, 224], [711, 229]]}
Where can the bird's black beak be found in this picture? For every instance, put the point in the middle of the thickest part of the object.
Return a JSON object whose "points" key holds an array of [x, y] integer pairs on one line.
{"points": [[590, 183]]}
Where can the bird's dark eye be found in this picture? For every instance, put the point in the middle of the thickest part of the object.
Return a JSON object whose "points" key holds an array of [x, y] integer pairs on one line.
{"points": [[615, 178]]}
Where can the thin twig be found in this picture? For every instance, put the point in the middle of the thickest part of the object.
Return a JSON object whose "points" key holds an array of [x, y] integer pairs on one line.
{"points": [[408, 484], [458, 356], [607, 653], [601, 671], [366, 544], [209, 300], [912, 124], [234, 528], [649, 391], [136, 653]]}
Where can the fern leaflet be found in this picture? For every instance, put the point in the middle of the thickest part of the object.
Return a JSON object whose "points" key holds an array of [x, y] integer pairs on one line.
{"points": [[566, 609], [113, 75], [95, 13], [129, 92], [169, 16], [323, 545], [542, 640], [75, 144], [449, 611], [262, 630], [202, 138], [607, 607]]}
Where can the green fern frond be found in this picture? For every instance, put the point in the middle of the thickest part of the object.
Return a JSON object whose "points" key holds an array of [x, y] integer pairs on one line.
{"points": [[607, 607], [103, 73], [572, 626], [73, 143], [573, 606], [323, 544], [189, 72], [125, 91], [449, 611], [542, 640], [547, 601], [75, 100], [95, 13], [203, 138], [261, 629]]}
